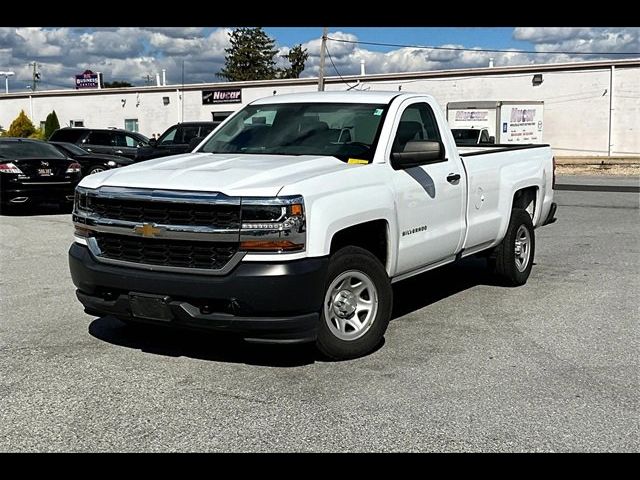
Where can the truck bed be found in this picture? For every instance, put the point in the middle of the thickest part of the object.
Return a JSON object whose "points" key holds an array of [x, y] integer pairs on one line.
{"points": [[494, 170]]}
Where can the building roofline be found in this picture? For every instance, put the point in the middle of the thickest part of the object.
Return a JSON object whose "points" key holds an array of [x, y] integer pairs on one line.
{"points": [[397, 77]]}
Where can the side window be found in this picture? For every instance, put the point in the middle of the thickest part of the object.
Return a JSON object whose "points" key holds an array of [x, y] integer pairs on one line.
{"points": [[484, 137], [100, 138], [417, 123], [167, 138], [187, 134], [131, 141], [205, 130]]}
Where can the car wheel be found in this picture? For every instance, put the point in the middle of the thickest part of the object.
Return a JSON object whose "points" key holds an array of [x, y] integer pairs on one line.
{"points": [[514, 256], [357, 305], [96, 169]]}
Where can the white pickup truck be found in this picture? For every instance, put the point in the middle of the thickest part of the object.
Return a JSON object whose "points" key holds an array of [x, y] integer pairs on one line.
{"points": [[292, 219]]}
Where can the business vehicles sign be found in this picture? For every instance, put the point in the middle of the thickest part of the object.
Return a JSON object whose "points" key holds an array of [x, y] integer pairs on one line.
{"points": [[522, 123], [227, 95], [88, 79]]}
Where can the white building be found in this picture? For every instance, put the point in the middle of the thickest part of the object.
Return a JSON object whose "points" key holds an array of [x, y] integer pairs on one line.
{"points": [[590, 108]]}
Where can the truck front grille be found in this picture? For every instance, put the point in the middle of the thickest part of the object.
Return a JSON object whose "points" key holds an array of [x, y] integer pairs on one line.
{"points": [[168, 213], [171, 253]]}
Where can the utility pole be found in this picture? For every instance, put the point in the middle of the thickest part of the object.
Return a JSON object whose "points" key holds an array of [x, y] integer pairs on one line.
{"points": [[323, 48], [36, 75]]}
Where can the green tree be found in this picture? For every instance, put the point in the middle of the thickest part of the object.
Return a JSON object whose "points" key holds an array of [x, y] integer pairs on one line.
{"points": [[51, 124], [251, 56], [297, 57], [117, 84], [21, 126]]}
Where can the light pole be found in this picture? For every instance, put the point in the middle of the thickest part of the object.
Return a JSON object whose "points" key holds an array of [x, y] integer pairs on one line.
{"points": [[6, 80]]}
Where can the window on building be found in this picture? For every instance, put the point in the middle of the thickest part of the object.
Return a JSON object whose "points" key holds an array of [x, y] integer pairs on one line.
{"points": [[76, 123], [218, 117], [131, 124]]}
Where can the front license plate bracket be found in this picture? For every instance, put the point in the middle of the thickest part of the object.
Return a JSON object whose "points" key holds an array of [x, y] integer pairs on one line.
{"points": [[151, 307]]}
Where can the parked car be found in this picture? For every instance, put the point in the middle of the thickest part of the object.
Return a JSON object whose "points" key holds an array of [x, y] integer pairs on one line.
{"points": [[32, 171], [91, 162], [176, 139], [294, 231], [112, 141]]}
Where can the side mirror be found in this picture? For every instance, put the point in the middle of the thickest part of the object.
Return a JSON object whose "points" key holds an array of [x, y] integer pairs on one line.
{"points": [[195, 141], [153, 142], [492, 139], [420, 152]]}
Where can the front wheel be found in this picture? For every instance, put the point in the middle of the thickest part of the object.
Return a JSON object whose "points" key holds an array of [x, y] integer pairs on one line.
{"points": [[514, 256], [357, 305]]}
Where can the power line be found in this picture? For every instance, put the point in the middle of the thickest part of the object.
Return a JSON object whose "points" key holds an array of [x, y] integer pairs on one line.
{"points": [[336, 69], [461, 49]]}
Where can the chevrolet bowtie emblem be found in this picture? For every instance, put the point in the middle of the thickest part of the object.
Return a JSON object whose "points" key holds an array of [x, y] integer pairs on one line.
{"points": [[147, 229]]}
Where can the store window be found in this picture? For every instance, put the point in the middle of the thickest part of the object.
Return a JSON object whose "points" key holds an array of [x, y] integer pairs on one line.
{"points": [[131, 124]]}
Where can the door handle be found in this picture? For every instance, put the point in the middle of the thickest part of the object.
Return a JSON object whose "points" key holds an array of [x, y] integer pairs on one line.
{"points": [[120, 151], [453, 178], [88, 149]]}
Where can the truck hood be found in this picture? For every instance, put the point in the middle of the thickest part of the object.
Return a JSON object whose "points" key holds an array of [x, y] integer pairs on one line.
{"points": [[230, 174]]}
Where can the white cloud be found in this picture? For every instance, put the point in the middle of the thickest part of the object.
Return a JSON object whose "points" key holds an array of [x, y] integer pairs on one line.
{"points": [[133, 53]]}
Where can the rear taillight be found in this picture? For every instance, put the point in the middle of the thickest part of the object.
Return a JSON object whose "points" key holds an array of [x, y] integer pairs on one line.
{"points": [[74, 168], [9, 168], [553, 182]]}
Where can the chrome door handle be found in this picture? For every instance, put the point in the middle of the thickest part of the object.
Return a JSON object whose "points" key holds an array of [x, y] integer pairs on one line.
{"points": [[118, 151]]}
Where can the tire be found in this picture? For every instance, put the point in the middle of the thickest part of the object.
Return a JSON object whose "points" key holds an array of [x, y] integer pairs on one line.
{"points": [[357, 286], [96, 169], [514, 269]]}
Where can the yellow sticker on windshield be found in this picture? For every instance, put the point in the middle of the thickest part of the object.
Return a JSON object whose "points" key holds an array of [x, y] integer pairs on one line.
{"points": [[357, 161]]}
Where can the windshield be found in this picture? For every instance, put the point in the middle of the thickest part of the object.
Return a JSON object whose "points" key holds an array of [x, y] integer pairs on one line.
{"points": [[71, 148], [465, 134], [28, 150], [341, 130]]}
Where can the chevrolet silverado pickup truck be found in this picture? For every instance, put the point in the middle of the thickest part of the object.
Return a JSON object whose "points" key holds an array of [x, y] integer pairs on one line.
{"points": [[290, 222]]}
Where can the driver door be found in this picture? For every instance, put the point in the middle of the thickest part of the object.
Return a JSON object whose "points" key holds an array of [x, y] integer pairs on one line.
{"points": [[429, 197]]}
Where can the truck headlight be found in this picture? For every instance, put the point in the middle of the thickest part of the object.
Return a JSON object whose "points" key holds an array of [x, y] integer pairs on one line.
{"points": [[273, 225], [81, 200]]}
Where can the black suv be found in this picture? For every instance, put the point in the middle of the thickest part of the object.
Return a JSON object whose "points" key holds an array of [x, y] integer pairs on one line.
{"points": [[112, 141], [179, 138]]}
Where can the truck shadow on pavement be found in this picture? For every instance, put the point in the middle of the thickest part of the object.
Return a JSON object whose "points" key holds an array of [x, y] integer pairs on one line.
{"points": [[430, 287], [409, 295]]}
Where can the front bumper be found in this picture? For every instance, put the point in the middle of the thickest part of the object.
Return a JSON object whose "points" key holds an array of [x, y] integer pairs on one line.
{"points": [[261, 301]]}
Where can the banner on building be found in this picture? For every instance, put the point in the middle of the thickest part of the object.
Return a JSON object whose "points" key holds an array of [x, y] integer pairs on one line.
{"points": [[88, 79], [227, 95]]}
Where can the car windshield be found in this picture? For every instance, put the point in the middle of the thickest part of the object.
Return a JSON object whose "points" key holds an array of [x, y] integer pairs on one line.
{"points": [[341, 130], [28, 150], [71, 148]]}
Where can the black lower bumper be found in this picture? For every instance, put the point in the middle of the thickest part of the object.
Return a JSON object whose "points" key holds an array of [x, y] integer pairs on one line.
{"points": [[261, 301]]}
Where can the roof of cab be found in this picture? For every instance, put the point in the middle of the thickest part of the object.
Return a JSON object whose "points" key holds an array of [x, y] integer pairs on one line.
{"points": [[379, 97]]}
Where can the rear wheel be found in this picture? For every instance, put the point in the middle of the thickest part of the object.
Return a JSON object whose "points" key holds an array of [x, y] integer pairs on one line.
{"points": [[357, 305], [96, 169], [514, 256]]}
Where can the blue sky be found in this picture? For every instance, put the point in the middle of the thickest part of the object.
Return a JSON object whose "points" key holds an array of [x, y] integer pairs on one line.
{"points": [[470, 37]]}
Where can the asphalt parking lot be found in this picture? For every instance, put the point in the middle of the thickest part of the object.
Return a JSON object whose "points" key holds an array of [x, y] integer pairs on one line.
{"points": [[466, 365]]}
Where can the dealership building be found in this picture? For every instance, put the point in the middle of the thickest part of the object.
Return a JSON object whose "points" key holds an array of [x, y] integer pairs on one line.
{"points": [[590, 108]]}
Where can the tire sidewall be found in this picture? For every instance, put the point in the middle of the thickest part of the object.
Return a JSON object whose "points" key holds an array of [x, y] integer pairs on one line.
{"points": [[96, 169], [518, 218], [358, 259]]}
